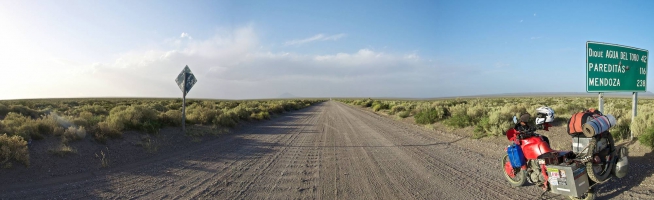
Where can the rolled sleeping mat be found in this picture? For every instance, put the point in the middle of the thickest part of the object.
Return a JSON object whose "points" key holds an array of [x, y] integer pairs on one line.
{"points": [[598, 125], [612, 120]]}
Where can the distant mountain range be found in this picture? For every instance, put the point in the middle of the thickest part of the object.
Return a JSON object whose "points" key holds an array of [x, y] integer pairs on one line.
{"points": [[287, 95]]}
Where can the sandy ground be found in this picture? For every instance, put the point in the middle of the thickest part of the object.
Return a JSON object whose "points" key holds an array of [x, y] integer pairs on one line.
{"points": [[327, 151]]}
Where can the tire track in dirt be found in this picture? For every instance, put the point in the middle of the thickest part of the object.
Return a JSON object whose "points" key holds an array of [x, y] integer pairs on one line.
{"points": [[287, 176], [254, 171], [450, 162], [328, 169], [201, 179], [360, 172], [453, 177], [381, 176], [127, 183]]}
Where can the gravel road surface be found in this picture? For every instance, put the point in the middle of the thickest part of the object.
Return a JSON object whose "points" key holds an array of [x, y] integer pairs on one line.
{"points": [[327, 151]]}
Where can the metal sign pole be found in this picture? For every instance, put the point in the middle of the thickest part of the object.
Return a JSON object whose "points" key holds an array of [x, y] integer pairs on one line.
{"points": [[185, 80], [601, 102], [184, 104], [634, 110]]}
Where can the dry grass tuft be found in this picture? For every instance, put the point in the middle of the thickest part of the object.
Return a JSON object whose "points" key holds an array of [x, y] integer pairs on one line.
{"points": [[13, 148]]}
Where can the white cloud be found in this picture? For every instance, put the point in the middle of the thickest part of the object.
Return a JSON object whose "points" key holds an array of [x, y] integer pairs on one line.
{"points": [[185, 35], [233, 65], [536, 38], [318, 37]]}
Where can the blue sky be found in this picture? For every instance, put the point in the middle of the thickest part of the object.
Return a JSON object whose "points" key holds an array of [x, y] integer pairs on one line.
{"points": [[261, 49]]}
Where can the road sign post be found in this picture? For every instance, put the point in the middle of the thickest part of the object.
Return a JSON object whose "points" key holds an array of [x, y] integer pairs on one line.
{"points": [[616, 68], [185, 80]]}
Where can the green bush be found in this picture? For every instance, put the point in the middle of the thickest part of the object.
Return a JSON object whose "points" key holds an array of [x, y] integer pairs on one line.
{"points": [[404, 114], [276, 108], [174, 106], [477, 112], [13, 148], [226, 120], [3, 110], [367, 103], [16, 124], [47, 124], [260, 116], [429, 116], [458, 121], [398, 109], [135, 117], [647, 138], [172, 118], [158, 106], [25, 111], [481, 127], [378, 105], [621, 130], [459, 109], [93, 109], [80, 122], [104, 131], [242, 112], [201, 113]]}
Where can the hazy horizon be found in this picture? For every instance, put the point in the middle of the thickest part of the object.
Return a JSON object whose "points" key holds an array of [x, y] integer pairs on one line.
{"points": [[264, 49]]}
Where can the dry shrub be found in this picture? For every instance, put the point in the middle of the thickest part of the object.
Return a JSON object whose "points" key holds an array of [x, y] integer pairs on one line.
{"points": [[647, 138], [75, 133], [429, 116], [398, 108], [201, 113], [460, 110], [136, 117], [242, 112], [622, 129], [158, 106], [92, 109], [104, 131], [3, 110], [499, 119], [227, 119], [63, 150], [477, 111], [80, 122], [404, 114], [14, 147], [260, 116], [58, 131], [275, 108], [47, 124], [172, 117], [379, 105], [16, 124], [86, 115], [25, 111]]}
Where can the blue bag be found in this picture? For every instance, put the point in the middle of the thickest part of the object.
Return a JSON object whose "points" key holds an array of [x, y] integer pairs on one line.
{"points": [[516, 156]]}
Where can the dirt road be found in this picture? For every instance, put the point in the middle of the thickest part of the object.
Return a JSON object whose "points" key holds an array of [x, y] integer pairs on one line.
{"points": [[327, 151]]}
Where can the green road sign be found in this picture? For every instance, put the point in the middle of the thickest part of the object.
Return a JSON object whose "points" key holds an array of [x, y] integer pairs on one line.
{"points": [[615, 68]]}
